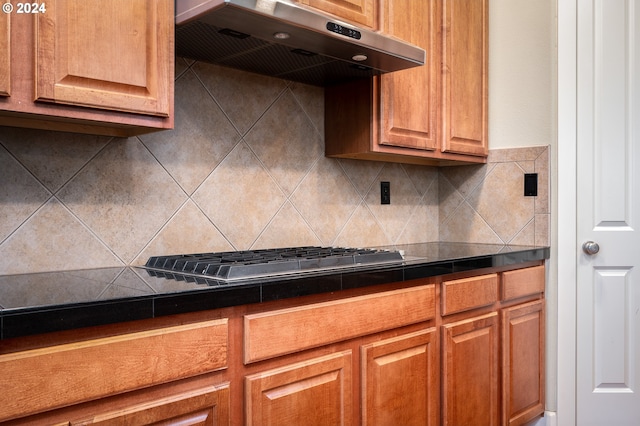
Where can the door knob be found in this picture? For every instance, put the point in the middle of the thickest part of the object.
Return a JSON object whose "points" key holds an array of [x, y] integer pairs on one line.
{"points": [[590, 247]]}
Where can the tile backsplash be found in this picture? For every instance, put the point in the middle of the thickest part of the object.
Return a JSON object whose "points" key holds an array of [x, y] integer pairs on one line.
{"points": [[244, 168]]}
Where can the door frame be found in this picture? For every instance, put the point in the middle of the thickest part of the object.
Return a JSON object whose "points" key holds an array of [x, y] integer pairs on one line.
{"points": [[566, 244]]}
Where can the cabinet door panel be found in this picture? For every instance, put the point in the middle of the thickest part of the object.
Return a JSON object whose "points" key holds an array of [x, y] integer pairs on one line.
{"points": [[206, 407], [106, 56], [470, 372], [464, 77], [400, 384], [355, 11], [5, 54], [523, 362], [408, 98], [313, 392]]}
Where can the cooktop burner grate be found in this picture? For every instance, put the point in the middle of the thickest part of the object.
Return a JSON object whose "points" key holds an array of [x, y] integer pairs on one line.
{"points": [[260, 263]]}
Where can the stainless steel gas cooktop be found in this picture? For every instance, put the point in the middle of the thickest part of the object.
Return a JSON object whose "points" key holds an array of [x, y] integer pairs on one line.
{"points": [[237, 265]]}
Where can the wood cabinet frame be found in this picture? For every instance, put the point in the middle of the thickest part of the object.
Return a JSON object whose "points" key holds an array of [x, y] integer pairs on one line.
{"points": [[448, 351]]}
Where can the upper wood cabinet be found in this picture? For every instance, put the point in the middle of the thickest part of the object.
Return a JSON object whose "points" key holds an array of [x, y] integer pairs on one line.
{"points": [[117, 66], [82, 67], [464, 77], [434, 114], [5, 54], [362, 12]]}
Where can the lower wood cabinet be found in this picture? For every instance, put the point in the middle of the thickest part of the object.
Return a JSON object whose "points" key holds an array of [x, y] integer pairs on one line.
{"points": [[62, 375], [464, 349], [400, 383], [470, 370], [493, 348], [208, 406], [313, 392], [523, 362]]}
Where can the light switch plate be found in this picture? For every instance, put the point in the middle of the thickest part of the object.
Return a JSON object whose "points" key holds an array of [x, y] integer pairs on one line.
{"points": [[530, 184]]}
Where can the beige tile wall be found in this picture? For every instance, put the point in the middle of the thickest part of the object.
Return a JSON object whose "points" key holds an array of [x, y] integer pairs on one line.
{"points": [[244, 168], [486, 203]]}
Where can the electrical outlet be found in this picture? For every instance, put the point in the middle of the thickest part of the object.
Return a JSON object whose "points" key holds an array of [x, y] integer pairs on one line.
{"points": [[385, 193]]}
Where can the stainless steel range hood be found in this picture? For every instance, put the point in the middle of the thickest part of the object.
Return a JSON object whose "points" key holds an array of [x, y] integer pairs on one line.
{"points": [[281, 39]]}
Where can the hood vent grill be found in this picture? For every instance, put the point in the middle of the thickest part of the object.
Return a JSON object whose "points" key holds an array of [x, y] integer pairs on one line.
{"points": [[204, 42]]}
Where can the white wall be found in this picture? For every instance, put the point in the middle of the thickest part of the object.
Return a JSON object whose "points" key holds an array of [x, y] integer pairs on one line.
{"points": [[523, 85], [522, 73]]}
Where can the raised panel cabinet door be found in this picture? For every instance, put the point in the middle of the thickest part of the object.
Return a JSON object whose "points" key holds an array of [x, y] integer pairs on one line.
{"points": [[113, 55], [313, 392], [205, 407], [5, 54], [409, 99], [361, 12], [465, 77], [523, 345], [400, 383], [470, 372]]}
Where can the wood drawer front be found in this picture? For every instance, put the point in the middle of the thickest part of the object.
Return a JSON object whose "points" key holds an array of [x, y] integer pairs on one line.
{"points": [[469, 293], [285, 331], [523, 282], [57, 376]]}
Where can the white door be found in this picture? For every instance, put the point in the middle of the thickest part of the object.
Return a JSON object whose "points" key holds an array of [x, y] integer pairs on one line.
{"points": [[608, 213]]}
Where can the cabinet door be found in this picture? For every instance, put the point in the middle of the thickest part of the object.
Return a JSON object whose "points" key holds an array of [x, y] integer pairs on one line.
{"points": [[314, 392], [114, 55], [464, 77], [408, 98], [207, 407], [400, 380], [470, 371], [5, 54], [523, 362], [361, 12]]}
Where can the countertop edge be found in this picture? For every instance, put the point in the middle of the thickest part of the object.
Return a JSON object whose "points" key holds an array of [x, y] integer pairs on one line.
{"points": [[39, 320]]}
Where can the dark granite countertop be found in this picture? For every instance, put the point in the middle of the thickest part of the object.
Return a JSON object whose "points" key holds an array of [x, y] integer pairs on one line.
{"points": [[55, 301]]}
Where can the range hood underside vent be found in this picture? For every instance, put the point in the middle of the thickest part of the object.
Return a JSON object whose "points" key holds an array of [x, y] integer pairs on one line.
{"points": [[204, 42]]}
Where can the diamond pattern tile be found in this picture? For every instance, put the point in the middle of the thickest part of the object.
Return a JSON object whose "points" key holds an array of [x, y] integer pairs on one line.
{"points": [[53, 240], [202, 136], [188, 231], [240, 197], [287, 147], [404, 200], [326, 199], [501, 202], [287, 229], [124, 196], [492, 195], [362, 174], [20, 194], [362, 230], [243, 96], [243, 168], [311, 98], [52, 157]]}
